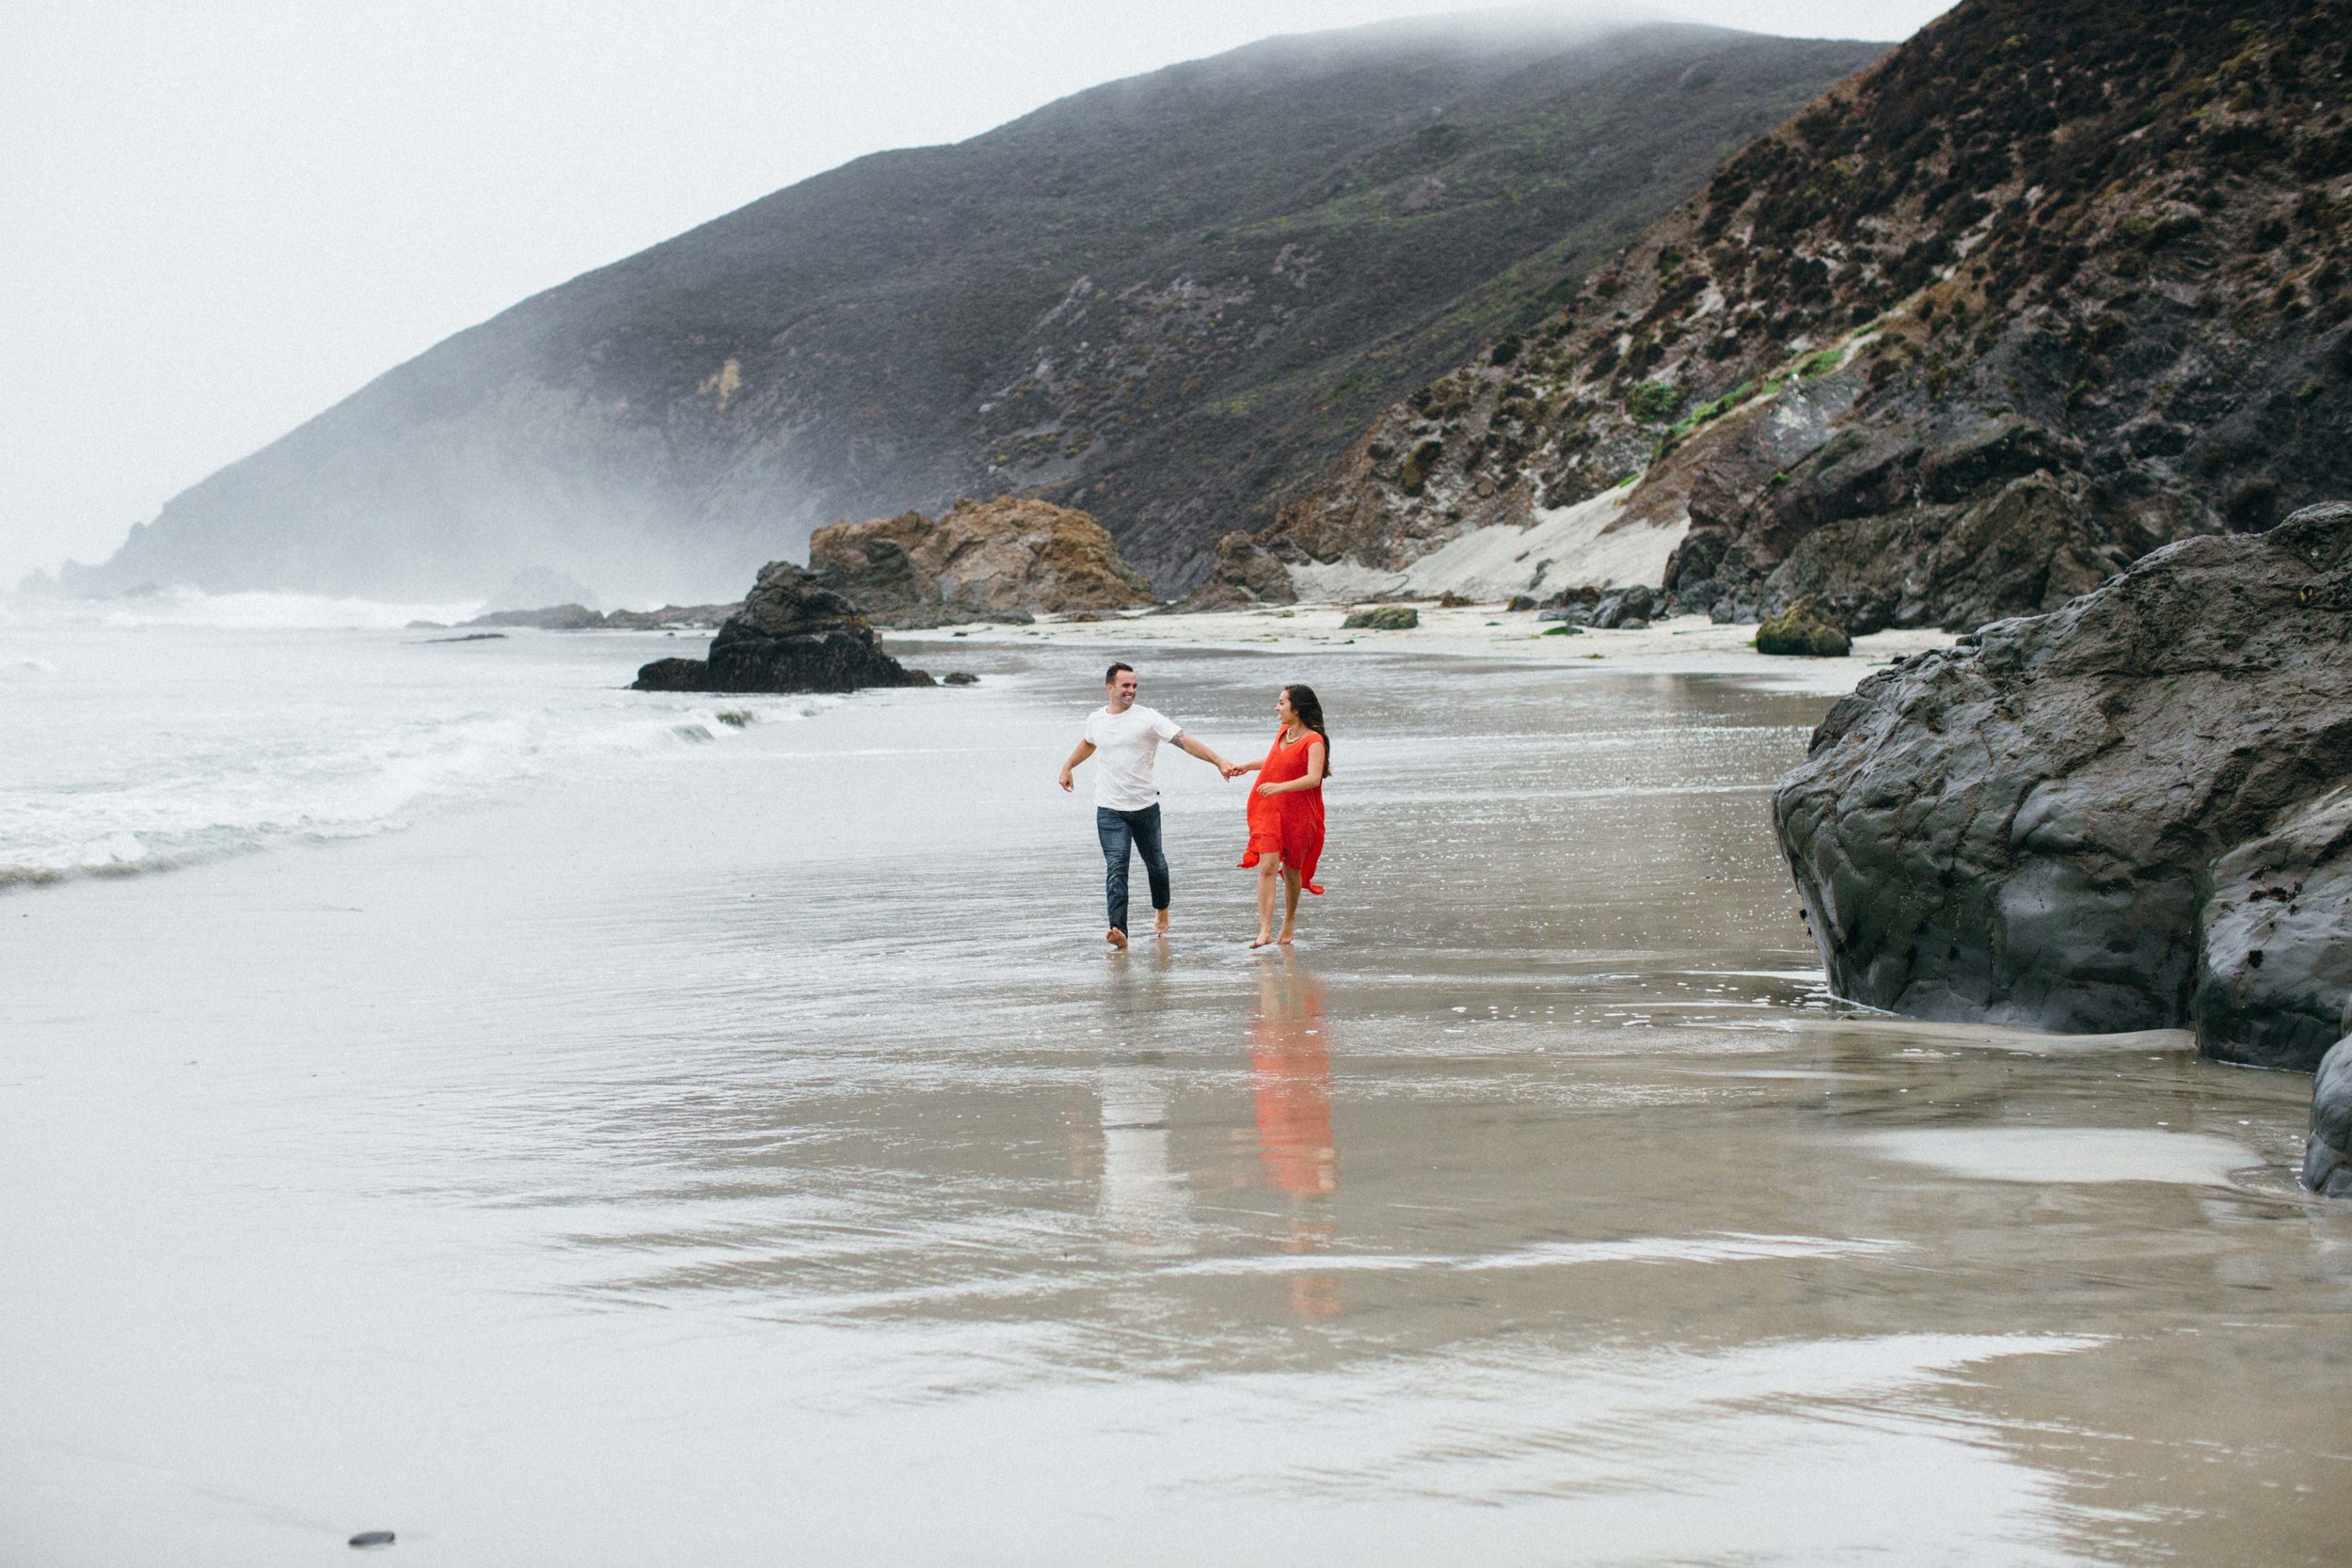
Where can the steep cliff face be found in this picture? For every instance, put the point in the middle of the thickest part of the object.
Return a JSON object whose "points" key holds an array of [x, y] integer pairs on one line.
{"points": [[1170, 301], [2055, 282]]}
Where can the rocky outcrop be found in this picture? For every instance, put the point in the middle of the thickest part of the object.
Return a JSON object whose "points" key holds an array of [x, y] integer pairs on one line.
{"points": [[1244, 573], [2328, 1158], [560, 617], [1802, 631], [573, 617], [2055, 283], [2127, 814], [792, 634], [1385, 617], [1011, 557]]}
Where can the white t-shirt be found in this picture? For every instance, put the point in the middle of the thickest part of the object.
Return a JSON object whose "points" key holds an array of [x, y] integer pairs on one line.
{"points": [[1125, 745]]}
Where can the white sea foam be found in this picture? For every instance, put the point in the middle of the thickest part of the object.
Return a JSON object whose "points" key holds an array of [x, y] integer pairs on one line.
{"points": [[141, 745]]}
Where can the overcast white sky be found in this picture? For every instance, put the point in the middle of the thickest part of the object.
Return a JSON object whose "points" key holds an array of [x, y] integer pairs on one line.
{"points": [[223, 217]]}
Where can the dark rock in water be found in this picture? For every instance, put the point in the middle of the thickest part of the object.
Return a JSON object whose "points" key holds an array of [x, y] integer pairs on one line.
{"points": [[1386, 617], [2128, 813], [2328, 1158], [791, 635], [470, 636], [368, 1538], [562, 617], [2276, 967], [1801, 630], [961, 677]]}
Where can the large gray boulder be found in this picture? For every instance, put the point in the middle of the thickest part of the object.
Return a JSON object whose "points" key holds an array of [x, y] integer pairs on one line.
{"points": [[792, 634], [2127, 814], [2328, 1157]]}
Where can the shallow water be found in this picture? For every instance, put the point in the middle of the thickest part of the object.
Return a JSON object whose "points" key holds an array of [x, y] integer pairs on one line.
{"points": [[747, 1150]]}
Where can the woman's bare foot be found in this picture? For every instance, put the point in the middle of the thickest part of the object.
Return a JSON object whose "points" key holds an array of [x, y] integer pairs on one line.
{"points": [[1266, 938], [1116, 937], [1285, 937]]}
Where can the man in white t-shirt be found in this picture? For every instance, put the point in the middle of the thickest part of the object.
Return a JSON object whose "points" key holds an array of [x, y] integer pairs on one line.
{"points": [[1126, 736]]}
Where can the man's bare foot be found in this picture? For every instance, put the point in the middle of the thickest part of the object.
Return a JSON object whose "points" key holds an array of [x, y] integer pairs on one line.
{"points": [[1266, 938], [1159, 927], [1116, 937]]}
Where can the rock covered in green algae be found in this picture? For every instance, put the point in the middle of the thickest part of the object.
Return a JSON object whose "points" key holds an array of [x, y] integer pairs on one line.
{"points": [[2095, 819], [1385, 617], [1803, 630]]}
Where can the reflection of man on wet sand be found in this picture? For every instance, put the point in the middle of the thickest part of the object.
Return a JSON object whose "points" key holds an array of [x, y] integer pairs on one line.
{"points": [[1126, 736]]}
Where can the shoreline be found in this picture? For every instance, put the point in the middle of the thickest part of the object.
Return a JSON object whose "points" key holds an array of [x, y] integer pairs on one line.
{"points": [[1684, 644]]}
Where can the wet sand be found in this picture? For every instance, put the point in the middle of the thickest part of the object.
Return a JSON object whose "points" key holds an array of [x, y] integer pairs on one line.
{"points": [[1684, 644], [762, 1160]]}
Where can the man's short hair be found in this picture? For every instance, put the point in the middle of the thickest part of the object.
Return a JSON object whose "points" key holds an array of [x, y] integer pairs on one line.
{"points": [[1112, 674]]}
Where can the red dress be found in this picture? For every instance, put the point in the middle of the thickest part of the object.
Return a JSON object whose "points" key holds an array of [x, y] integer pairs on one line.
{"points": [[1289, 824]]}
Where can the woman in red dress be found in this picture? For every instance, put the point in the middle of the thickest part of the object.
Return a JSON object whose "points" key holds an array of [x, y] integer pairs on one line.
{"points": [[1286, 808]]}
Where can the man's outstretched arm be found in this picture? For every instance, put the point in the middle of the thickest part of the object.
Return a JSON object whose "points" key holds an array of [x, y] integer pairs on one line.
{"points": [[1185, 742], [1086, 749]]}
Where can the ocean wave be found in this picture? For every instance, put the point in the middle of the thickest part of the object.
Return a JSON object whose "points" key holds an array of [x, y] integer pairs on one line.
{"points": [[148, 756], [251, 611]]}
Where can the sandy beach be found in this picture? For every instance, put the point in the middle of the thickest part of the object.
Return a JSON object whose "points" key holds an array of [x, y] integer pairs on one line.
{"points": [[1685, 644], [737, 1142]]}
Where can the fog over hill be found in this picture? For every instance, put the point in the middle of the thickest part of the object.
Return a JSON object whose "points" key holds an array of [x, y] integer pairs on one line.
{"points": [[1172, 301]]}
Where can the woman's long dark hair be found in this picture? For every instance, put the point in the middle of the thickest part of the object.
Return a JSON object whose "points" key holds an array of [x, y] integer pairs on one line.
{"points": [[1309, 707]]}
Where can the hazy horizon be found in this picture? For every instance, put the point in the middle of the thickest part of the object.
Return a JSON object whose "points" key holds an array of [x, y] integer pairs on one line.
{"points": [[247, 218]]}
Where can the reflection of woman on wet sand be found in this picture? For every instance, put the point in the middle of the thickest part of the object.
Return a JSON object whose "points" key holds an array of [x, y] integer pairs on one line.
{"points": [[1286, 808], [1291, 1082]]}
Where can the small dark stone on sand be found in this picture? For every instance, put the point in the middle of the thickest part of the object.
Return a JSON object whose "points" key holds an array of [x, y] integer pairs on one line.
{"points": [[963, 677], [368, 1538]]}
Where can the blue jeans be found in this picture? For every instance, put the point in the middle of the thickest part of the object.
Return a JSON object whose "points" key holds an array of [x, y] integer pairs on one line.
{"points": [[1118, 830]]}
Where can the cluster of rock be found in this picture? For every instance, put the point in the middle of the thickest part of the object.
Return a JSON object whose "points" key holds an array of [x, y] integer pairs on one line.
{"points": [[573, 617], [792, 634], [1612, 609], [1009, 559], [2133, 813], [1383, 617]]}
